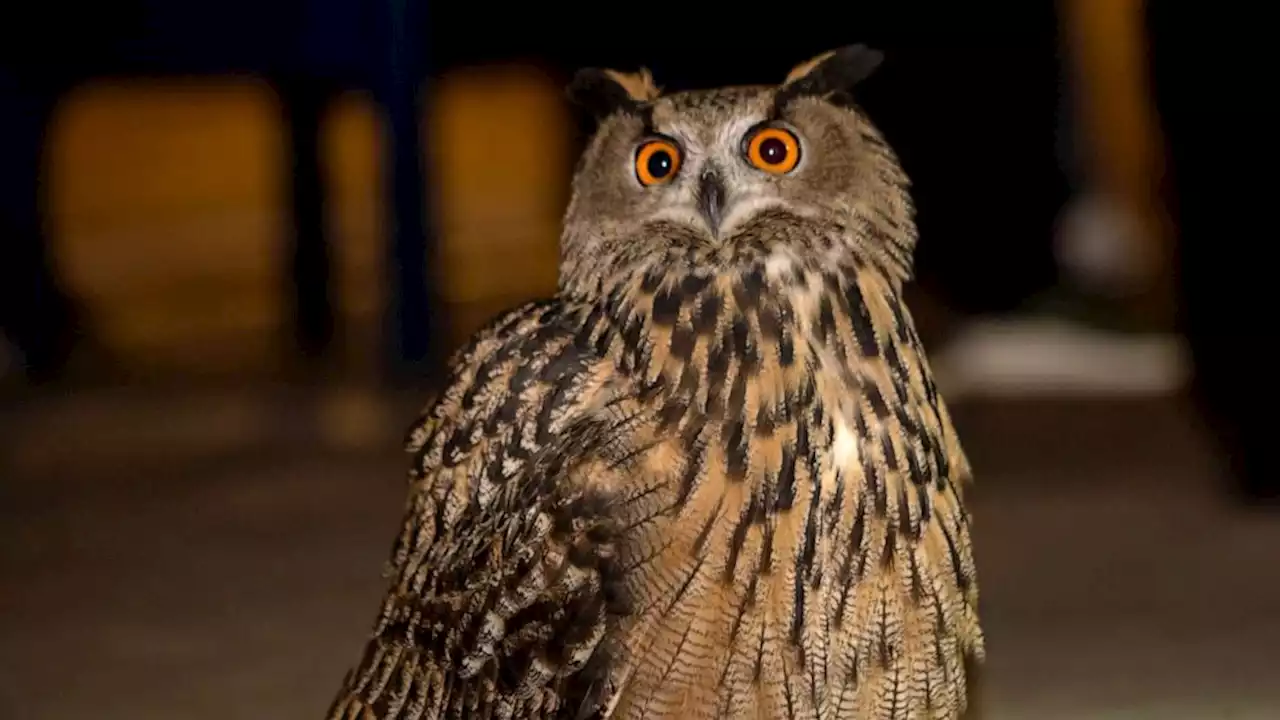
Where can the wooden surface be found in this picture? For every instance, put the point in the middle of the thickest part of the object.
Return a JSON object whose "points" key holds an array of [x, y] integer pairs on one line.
{"points": [[216, 553]]}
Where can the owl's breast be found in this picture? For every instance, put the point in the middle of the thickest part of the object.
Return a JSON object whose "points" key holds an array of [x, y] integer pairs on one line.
{"points": [[810, 548]]}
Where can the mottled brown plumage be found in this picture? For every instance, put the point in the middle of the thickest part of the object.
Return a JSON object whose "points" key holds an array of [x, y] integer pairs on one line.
{"points": [[713, 477]]}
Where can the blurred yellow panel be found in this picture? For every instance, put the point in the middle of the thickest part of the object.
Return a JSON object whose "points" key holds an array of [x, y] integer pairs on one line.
{"points": [[499, 145], [165, 210]]}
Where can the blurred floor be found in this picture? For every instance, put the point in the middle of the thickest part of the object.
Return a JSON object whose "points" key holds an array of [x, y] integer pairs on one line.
{"points": [[216, 554]]}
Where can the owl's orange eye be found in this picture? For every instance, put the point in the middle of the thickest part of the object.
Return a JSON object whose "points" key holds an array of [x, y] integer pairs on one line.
{"points": [[657, 161], [773, 150]]}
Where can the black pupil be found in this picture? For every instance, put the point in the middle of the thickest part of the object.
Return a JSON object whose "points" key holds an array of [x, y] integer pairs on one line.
{"points": [[773, 151], [660, 163]]}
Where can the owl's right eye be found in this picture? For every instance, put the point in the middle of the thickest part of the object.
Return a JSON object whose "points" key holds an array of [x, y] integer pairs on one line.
{"points": [[657, 162]]}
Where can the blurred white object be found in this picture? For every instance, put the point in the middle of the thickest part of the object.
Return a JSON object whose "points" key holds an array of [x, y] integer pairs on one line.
{"points": [[1063, 349], [1032, 356], [1097, 244]]}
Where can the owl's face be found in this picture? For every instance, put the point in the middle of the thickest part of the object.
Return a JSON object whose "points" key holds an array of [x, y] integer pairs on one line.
{"points": [[716, 180]]}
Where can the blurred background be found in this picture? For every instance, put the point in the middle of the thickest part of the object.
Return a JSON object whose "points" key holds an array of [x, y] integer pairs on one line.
{"points": [[237, 240]]}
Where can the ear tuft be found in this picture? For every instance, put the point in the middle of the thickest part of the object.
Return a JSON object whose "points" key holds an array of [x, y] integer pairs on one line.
{"points": [[603, 92], [639, 85], [835, 72]]}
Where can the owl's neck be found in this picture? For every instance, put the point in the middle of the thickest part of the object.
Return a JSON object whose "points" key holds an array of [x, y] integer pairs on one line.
{"points": [[767, 337]]}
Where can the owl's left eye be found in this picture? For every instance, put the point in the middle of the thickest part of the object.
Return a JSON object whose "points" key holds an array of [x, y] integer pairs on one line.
{"points": [[773, 149], [657, 161]]}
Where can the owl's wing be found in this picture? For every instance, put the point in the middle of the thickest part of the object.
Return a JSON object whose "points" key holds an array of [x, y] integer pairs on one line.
{"points": [[506, 579]]}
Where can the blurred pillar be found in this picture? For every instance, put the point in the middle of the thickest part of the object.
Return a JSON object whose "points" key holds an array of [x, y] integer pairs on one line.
{"points": [[408, 326], [1107, 55], [35, 312], [304, 101]]}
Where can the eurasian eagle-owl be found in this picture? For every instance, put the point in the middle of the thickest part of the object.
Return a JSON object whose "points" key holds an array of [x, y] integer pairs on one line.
{"points": [[712, 477]]}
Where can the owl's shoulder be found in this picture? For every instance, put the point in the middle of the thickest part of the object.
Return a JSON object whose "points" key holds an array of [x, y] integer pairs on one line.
{"points": [[521, 377], [508, 577]]}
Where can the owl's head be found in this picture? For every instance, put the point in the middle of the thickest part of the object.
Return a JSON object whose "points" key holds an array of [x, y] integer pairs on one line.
{"points": [[714, 181]]}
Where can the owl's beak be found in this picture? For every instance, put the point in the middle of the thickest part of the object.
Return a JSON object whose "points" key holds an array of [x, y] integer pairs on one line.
{"points": [[710, 196]]}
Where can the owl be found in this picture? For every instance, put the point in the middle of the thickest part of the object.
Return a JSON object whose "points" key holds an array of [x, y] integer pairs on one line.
{"points": [[713, 476]]}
